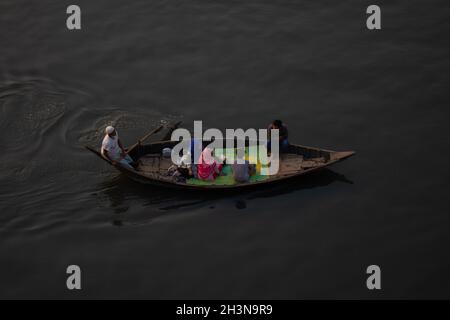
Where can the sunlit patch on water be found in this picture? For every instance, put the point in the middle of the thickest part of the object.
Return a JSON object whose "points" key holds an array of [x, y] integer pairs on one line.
{"points": [[128, 124], [31, 109], [44, 130]]}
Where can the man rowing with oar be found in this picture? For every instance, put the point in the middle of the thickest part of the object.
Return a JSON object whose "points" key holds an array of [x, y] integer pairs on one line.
{"points": [[113, 149]]}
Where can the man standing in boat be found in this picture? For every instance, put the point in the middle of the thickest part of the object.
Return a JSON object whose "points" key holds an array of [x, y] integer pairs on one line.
{"points": [[113, 149], [283, 135]]}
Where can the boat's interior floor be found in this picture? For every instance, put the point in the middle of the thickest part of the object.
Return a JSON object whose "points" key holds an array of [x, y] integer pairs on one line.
{"points": [[290, 164]]}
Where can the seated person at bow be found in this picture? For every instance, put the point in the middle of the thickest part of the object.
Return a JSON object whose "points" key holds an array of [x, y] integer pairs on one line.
{"points": [[113, 149], [283, 135], [242, 169], [208, 168]]}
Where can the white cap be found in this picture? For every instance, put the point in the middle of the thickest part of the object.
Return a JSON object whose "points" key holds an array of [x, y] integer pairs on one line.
{"points": [[109, 130]]}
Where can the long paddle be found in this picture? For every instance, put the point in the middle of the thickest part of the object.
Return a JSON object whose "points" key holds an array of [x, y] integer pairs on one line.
{"points": [[171, 128], [145, 137]]}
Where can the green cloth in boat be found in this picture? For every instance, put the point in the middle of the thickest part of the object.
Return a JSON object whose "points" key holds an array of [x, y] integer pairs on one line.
{"points": [[226, 179]]}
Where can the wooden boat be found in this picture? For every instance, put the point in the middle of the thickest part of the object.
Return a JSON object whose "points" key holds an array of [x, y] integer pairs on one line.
{"points": [[298, 161]]}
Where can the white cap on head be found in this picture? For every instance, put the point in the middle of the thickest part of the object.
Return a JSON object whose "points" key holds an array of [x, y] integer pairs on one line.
{"points": [[109, 130]]}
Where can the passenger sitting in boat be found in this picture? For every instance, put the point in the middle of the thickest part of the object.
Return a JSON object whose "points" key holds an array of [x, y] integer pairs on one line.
{"points": [[179, 172], [186, 168], [208, 168], [113, 149], [243, 171], [283, 135]]}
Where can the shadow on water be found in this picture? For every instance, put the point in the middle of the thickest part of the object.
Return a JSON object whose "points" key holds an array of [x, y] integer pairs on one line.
{"points": [[313, 180], [123, 195]]}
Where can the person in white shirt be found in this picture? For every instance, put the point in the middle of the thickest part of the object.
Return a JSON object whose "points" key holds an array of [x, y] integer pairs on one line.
{"points": [[113, 149]]}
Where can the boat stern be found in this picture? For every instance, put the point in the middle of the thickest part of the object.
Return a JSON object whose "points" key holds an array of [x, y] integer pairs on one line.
{"points": [[341, 155]]}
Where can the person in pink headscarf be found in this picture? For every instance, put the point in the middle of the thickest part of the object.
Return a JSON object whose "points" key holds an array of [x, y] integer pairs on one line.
{"points": [[208, 168]]}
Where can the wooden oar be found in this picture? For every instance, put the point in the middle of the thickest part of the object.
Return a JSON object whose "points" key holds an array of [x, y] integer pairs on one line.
{"points": [[145, 138], [171, 128]]}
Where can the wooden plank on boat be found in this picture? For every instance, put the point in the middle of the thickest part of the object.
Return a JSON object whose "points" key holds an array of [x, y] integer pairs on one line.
{"points": [[290, 164], [149, 163], [164, 164]]}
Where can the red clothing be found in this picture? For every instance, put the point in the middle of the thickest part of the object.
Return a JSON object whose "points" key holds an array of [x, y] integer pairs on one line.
{"points": [[208, 168]]}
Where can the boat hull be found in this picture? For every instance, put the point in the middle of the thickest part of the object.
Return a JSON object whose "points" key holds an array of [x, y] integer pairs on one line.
{"points": [[330, 157]]}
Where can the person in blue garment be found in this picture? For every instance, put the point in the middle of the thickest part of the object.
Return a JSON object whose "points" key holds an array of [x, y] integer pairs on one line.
{"points": [[196, 146]]}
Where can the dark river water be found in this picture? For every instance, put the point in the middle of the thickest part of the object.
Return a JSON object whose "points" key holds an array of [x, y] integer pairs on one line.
{"points": [[232, 64]]}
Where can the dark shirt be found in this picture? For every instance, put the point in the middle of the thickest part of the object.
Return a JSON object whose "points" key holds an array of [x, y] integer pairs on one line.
{"points": [[283, 132]]}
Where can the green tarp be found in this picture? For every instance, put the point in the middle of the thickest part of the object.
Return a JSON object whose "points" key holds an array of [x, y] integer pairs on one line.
{"points": [[226, 179]]}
